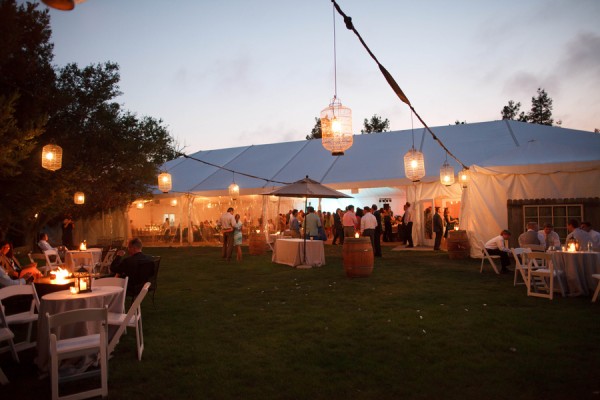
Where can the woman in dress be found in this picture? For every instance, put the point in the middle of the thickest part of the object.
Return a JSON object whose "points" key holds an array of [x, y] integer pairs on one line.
{"points": [[237, 237], [449, 221]]}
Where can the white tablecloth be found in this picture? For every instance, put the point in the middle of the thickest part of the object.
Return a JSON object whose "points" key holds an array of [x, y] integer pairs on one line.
{"points": [[578, 268], [53, 303], [93, 256], [291, 252]]}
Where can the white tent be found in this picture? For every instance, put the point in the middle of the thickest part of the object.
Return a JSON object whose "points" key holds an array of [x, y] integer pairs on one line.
{"points": [[507, 160]]}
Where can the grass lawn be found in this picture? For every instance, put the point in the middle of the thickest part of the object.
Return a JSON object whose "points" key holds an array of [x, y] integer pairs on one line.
{"points": [[421, 327]]}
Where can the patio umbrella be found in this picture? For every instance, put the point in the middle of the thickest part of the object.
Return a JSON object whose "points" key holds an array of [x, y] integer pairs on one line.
{"points": [[307, 188]]}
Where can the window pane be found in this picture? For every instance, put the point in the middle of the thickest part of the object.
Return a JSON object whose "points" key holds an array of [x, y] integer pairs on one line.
{"points": [[560, 211], [574, 212], [560, 223], [545, 212], [562, 233], [531, 212]]}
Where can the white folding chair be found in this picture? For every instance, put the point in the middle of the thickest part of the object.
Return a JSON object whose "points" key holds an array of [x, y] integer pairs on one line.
{"points": [[520, 267], [53, 260], [92, 344], [486, 256], [104, 266], [596, 276], [6, 335], [119, 282], [24, 317], [542, 278], [133, 319]]}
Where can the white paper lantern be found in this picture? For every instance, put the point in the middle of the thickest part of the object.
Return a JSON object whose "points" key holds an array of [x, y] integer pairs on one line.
{"points": [[79, 198], [336, 128], [52, 157], [447, 174], [414, 165], [463, 178], [164, 182], [234, 190]]}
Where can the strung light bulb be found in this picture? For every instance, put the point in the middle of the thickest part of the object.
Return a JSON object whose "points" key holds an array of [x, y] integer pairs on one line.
{"points": [[336, 126]]}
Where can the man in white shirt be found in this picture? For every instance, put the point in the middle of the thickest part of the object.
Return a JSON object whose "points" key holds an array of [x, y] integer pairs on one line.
{"points": [[595, 235], [312, 222], [349, 221], [496, 246], [227, 222], [368, 223], [43, 242], [551, 238], [577, 233]]}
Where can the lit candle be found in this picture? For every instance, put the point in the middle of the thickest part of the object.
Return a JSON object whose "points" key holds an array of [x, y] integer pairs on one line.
{"points": [[73, 290], [571, 248], [82, 285], [456, 228], [356, 235], [82, 246]]}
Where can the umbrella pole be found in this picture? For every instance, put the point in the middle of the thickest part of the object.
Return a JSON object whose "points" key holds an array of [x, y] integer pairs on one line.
{"points": [[305, 211]]}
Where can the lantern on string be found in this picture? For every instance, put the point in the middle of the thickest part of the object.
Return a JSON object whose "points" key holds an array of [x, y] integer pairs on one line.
{"points": [[234, 189], [336, 128], [52, 157], [79, 198], [447, 173], [463, 178], [414, 165], [336, 120], [164, 182]]}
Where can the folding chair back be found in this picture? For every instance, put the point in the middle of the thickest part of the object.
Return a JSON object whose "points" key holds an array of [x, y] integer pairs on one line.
{"points": [[29, 317], [133, 319], [520, 264], [53, 258], [486, 256], [94, 343], [541, 275], [6, 335], [104, 265]]}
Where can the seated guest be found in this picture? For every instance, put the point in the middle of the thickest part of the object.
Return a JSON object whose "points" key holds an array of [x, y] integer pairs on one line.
{"points": [[496, 246], [138, 266], [6, 280], [531, 236], [587, 226], [11, 265], [43, 242], [577, 233], [550, 237]]}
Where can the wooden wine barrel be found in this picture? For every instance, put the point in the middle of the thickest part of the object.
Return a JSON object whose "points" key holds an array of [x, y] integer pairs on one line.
{"points": [[257, 244], [458, 244], [358, 257]]}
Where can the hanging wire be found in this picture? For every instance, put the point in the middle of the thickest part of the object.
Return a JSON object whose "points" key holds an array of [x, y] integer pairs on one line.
{"points": [[334, 55], [390, 80]]}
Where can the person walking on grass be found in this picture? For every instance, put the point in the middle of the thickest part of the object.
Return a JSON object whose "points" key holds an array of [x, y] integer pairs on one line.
{"points": [[237, 237]]}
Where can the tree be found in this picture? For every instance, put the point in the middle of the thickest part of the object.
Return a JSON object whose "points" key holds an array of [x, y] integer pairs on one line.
{"points": [[315, 133], [376, 124], [511, 111], [457, 122], [541, 109]]}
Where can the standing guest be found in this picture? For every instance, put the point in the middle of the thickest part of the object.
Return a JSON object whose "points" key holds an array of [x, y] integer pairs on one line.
{"points": [[138, 267], [43, 242], [550, 237], [312, 222], [227, 222], [349, 221], [387, 223], [338, 227], [407, 222], [11, 265], [237, 238], [295, 224], [449, 222], [368, 223], [378, 231], [577, 233], [531, 236], [359, 214], [438, 228], [496, 246], [327, 223], [595, 235], [67, 232]]}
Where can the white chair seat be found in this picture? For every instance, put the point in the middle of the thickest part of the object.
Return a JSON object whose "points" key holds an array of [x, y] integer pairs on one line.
{"points": [[29, 317], [21, 318]]}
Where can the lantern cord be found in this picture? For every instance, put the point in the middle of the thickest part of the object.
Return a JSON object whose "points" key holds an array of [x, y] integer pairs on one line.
{"points": [[334, 57], [390, 80], [231, 170]]}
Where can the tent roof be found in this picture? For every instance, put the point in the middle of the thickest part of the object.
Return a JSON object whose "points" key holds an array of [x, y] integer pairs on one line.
{"points": [[377, 160]]}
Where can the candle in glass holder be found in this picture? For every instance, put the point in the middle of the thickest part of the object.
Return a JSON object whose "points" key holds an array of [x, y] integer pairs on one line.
{"points": [[356, 235], [73, 290], [82, 285]]}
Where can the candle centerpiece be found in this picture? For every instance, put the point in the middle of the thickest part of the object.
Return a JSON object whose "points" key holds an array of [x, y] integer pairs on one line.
{"points": [[83, 280]]}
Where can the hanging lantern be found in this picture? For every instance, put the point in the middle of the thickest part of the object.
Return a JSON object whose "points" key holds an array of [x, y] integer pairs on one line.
{"points": [[83, 280], [447, 174], [63, 5], [463, 178], [52, 157], [79, 198], [164, 182], [414, 165], [173, 202], [336, 128], [234, 190], [139, 205]]}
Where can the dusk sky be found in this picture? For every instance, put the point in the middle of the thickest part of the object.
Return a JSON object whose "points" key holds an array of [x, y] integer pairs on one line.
{"points": [[233, 72]]}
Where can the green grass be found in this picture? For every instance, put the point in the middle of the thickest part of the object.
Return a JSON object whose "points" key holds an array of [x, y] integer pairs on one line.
{"points": [[421, 327]]}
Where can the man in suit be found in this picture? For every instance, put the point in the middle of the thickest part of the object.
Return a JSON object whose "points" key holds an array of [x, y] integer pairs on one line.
{"points": [[139, 267]]}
